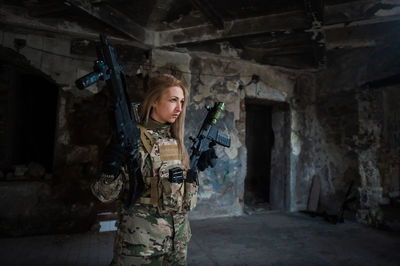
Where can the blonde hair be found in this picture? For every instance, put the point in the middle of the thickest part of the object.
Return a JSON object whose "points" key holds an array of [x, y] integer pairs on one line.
{"points": [[156, 88]]}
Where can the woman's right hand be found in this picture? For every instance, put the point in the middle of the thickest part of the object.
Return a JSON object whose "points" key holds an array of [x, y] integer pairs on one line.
{"points": [[113, 158]]}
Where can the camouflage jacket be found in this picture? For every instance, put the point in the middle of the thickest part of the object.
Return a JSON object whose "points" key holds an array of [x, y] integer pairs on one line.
{"points": [[108, 189], [142, 230]]}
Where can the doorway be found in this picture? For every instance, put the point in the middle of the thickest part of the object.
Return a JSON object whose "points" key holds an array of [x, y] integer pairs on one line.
{"points": [[28, 109], [259, 141]]}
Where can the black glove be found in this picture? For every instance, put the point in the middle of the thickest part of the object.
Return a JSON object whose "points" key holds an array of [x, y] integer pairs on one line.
{"points": [[207, 158], [191, 176], [113, 158]]}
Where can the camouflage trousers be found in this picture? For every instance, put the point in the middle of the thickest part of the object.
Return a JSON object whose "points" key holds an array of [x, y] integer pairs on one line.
{"points": [[146, 238]]}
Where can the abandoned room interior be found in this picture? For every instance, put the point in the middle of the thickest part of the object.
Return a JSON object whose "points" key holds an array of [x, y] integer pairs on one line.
{"points": [[312, 106]]}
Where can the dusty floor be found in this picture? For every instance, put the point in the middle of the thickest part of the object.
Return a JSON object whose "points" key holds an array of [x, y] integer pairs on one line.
{"points": [[268, 238]]}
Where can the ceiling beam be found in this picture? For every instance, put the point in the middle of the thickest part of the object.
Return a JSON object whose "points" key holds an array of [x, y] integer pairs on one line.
{"points": [[235, 28], [360, 10], [117, 20], [333, 16], [363, 35], [338, 18], [315, 13], [209, 12], [17, 20]]}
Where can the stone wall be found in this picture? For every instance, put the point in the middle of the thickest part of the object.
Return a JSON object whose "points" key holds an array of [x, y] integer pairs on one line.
{"points": [[354, 114], [332, 126], [59, 200], [81, 135], [212, 78]]}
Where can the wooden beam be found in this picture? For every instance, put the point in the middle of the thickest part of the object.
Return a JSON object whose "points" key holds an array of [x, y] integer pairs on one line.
{"points": [[360, 10], [236, 28], [117, 20], [17, 20], [297, 59], [209, 12], [363, 35], [275, 51], [292, 50], [315, 13], [342, 15], [339, 19], [365, 23]]}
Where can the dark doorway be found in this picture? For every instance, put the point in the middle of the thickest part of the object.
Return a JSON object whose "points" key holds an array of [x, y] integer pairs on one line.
{"points": [[259, 140], [39, 105], [28, 118]]}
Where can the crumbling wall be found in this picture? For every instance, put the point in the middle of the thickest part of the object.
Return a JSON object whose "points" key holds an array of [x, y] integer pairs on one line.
{"points": [[350, 108], [81, 135], [328, 126], [213, 78], [59, 201], [389, 159]]}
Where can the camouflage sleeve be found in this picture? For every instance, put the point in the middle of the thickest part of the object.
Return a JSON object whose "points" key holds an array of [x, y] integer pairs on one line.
{"points": [[106, 189]]}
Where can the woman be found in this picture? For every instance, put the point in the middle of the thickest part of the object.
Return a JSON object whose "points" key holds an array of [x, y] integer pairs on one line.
{"points": [[155, 231]]}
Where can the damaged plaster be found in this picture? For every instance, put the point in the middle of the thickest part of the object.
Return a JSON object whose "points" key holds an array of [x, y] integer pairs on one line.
{"points": [[217, 78], [324, 128]]}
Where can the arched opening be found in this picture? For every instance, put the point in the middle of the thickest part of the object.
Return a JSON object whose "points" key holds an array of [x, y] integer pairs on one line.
{"points": [[28, 112]]}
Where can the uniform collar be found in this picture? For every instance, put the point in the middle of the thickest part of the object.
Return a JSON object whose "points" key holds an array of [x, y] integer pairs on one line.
{"points": [[154, 125]]}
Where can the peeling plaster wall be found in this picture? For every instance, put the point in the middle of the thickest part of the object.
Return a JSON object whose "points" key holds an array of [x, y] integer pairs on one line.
{"points": [[326, 126], [351, 117], [81, 136], [213, 78], [66, 203]]}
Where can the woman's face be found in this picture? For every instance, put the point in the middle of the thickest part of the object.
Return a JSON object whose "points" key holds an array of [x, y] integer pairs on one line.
{"points": [[169, 106]]}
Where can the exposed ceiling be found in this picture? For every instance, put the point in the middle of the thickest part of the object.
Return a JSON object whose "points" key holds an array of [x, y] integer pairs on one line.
{"points": [[290, 33]]}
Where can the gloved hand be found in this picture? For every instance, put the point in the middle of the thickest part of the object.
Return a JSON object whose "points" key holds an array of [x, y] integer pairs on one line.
{"points": [[207, 158], [113, 158], [191, 176]]}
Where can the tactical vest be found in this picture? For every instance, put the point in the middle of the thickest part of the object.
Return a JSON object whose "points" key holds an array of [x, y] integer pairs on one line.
{"points": [[169, 191]]}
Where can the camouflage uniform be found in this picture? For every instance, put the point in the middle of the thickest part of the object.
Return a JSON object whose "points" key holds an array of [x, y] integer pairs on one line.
{"points": [[146, 235]]}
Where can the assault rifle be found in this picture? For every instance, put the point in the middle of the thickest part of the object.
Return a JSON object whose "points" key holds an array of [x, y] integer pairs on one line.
{"points": [[208, 134], [107, 68]]}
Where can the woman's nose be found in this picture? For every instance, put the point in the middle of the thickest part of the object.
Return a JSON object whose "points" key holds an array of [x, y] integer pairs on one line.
{"points": [[178, 107]]}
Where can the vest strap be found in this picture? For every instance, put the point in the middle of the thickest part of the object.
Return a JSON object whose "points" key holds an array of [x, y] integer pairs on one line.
{"points": [[145, 200], [143, 134], [154, 191], [153, 183]]}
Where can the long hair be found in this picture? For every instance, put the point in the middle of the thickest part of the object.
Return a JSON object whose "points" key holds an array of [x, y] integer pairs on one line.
{"points": [[156, 88]]}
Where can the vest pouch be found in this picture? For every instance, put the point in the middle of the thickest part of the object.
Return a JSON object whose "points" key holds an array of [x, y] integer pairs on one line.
{"points": [[171, 193], [190, 196]]}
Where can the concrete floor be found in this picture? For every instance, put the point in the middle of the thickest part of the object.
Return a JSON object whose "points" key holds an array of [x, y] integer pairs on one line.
{"points": [[268, 238]]}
